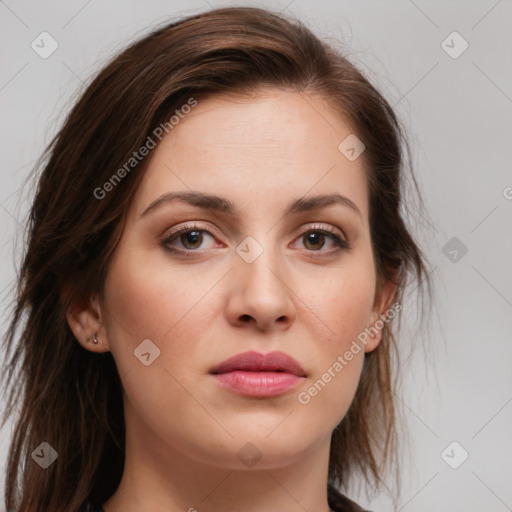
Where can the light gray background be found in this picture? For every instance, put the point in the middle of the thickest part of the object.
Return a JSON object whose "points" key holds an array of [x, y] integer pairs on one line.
{"points": [[458, 112]]}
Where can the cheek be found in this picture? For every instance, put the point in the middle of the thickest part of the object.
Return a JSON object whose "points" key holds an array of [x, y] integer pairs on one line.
{"points": [[345, 307], [146, 298], [345, 303], [327, 396], [328, 393]]}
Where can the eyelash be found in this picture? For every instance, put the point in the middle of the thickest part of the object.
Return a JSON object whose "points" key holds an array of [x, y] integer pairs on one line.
{"points": [[340, 242]]}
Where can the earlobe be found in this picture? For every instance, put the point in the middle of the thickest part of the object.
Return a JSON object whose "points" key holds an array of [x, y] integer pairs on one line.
{"points": [[380, 313], [374, 337], [84, 319]]}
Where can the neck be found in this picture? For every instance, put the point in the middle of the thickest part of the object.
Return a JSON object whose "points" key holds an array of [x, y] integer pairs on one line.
{"points": [[159, 477]]}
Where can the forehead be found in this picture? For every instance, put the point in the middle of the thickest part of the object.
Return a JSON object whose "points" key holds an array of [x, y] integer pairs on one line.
{"points": [[262, 148], [278, 120]]}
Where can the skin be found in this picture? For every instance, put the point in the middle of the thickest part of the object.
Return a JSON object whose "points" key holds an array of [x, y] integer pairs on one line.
{"points": [[183, 430]]}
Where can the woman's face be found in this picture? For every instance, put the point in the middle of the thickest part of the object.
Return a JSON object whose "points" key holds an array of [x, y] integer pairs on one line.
{"points": [[258, 278]]}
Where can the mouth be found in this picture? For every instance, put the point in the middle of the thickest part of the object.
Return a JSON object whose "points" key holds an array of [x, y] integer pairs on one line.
{"points": [[259, 375]]}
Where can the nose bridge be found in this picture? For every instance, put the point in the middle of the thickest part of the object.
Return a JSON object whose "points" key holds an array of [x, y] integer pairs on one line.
{"points": [[262, 291], [259, 261]]}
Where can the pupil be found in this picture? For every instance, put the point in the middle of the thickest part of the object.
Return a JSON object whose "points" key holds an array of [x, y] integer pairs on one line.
{"points": [[311, 238], [192, 235]]}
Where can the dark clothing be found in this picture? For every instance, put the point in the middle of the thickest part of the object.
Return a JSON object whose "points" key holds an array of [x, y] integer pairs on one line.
{"points": [[340, 503], [336, 500]]}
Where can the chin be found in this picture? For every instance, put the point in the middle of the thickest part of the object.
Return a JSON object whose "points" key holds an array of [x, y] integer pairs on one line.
{"points": [[253, 449]]}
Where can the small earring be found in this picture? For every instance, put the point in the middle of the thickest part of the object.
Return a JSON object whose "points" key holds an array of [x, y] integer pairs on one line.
{"points": [[94, 339]]}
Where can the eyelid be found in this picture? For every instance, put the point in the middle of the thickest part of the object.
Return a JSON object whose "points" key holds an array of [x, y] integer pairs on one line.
{"points": [[194, 225], [188, 226], [338, 235], [323, 227]]}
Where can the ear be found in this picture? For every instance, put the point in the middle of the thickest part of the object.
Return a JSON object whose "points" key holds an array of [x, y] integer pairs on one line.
{"points": [[84, 318], [382, 306]]}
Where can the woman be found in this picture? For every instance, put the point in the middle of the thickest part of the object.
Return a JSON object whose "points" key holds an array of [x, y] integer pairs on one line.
{"points": [[216, 254]]}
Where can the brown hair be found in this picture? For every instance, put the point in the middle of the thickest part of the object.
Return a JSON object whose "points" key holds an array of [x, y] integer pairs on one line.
{"points": [[71, 398]]}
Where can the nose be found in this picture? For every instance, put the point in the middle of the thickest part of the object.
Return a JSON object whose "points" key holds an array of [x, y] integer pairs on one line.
{"points": [[261, 294]]}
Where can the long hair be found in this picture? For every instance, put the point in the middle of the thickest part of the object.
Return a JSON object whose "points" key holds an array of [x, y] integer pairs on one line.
{"points": [[71, 398]]}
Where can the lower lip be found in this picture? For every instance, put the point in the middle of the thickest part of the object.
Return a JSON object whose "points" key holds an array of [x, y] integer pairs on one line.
{"points": [[258, 384]]}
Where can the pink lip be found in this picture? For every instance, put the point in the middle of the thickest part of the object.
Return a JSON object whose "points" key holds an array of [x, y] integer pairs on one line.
{"points": [[259, 375]]}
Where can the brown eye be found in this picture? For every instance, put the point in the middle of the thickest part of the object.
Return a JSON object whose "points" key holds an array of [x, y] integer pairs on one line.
{"points": [[315, 239], [190, 237]]}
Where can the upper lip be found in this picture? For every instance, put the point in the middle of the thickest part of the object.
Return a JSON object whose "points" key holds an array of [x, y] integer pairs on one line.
{"points": [[257, 362]]}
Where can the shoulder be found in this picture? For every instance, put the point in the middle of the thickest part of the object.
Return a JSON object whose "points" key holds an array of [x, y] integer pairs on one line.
{"points": [[339, 503]]}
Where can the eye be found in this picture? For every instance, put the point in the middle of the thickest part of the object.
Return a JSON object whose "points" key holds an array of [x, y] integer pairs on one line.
{"points": [[191, 237], [314, 239]]}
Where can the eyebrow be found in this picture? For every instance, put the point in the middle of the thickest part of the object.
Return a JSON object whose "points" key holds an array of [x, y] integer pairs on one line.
{"points": [[215, 203]]}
